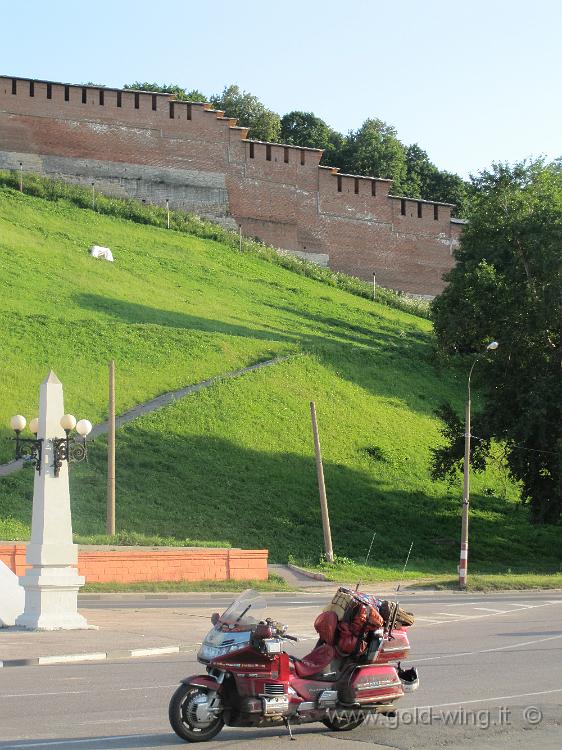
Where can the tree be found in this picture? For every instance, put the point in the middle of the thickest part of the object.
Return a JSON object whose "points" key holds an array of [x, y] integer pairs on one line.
{"points": [[168, 88], [507, 285], [375, 150], [448, 188], [250, 112], [305, 129], [419, 172]]}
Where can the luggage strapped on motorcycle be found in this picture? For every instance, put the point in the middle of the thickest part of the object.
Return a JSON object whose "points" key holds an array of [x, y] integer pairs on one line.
{"points": [[358, 617]]}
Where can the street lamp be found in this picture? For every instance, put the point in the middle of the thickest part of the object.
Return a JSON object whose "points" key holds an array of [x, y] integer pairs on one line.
{"points": [[67, 448], [492, 346], [64, 449], [27, 448]]}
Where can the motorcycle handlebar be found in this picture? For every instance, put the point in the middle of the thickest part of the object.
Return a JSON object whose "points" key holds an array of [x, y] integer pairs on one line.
{"points": [[290, 637]]}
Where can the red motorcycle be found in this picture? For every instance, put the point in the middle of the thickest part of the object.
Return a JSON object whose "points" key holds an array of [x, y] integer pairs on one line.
{"points": [[251, 681]]}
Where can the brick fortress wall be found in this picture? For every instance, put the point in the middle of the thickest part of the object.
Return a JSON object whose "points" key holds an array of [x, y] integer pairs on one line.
{"points": [[150, 147]]}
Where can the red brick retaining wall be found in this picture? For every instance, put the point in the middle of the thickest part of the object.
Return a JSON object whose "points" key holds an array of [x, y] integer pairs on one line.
{"points": [[130, 564]]}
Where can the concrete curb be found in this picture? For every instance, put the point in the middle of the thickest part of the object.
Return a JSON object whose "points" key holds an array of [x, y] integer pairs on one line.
{"points": [[134, 653], [115, 596], [308, 574]]}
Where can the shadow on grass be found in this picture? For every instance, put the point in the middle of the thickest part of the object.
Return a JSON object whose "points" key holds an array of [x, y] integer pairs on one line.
{"points": [[206, 487], [367, 357]]}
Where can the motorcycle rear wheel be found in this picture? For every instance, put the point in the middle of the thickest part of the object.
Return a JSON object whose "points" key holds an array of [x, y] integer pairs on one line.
{"points": [[342, 722], [182, 715]]}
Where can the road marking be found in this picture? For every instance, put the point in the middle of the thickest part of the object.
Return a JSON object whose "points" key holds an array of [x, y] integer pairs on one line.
{"points": [[484, 700], [154, 651], [35, 695], [498, 611], [490, 650], [458, 617], [70, 658], [306, 606], [147, 687], [86, 692], [453, 614], [52, 743]]}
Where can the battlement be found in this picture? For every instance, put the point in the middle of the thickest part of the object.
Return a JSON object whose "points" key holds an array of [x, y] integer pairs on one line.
{"points": [[157, 148]]}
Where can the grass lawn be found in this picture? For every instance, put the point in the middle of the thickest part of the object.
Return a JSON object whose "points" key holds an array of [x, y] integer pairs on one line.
{"points": [[275, 583], [427, 573], [234, 464]]}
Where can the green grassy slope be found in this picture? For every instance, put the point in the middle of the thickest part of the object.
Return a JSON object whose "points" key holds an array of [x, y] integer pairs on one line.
{"points": [[234, 464]]}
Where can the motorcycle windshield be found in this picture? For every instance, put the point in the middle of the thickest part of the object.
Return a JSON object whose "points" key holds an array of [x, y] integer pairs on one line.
{"points": [[245, 612], [233, 629]]}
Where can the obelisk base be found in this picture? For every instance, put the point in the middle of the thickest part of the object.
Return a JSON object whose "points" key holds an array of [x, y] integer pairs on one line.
{"points": [[51, 599]]}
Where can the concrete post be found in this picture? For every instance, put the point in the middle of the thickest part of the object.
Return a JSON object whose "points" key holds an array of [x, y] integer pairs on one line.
{"points": [[51, 584]]}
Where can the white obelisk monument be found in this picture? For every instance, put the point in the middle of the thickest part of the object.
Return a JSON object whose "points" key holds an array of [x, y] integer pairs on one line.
{"points": [[51, 584]]}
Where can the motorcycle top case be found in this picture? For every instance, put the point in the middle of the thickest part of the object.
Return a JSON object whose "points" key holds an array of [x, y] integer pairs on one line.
{"points": [[395, 648], [371, 684]]}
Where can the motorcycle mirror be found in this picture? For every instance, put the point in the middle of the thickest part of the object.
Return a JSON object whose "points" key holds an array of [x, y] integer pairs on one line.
{"points": [[215, 617]]}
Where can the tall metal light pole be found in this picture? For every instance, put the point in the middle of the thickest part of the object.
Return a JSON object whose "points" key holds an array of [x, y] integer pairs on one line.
{"points": [[492, 346]]}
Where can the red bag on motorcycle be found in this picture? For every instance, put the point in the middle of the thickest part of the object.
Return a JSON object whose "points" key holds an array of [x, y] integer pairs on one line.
{"points": [[365, 618], [347, 640]]}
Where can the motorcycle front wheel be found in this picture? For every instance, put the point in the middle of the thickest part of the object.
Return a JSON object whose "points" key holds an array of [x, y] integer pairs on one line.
{"points": [[185, 717], [342, 722]]}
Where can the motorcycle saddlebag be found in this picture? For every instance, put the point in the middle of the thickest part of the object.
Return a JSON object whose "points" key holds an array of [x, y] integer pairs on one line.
{"points": [[371, 684]]}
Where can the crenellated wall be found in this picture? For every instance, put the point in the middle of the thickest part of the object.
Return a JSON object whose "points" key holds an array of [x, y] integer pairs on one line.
{"points": [[152, 148]]}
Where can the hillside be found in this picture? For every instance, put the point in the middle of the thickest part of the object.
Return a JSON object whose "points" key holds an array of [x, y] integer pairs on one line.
{"points": [[234, 464]]}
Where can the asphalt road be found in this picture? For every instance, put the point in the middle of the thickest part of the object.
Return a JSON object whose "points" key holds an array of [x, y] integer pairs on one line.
{"points": [[490, 669]]}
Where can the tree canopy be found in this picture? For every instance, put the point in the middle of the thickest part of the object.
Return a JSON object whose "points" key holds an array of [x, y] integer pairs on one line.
{"points": [[507, 285], [168, 88], [264, 124]]}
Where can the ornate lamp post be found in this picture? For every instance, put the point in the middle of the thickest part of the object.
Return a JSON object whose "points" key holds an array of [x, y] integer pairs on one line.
{"points": [[64, 449], [463, 566]]}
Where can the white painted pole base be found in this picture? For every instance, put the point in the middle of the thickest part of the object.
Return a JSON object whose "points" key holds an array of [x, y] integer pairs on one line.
{"points": [[12, 596], [51, 599]]}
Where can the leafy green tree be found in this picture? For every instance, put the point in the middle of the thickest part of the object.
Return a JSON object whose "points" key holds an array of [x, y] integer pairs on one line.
{"points": [[419, 172], [375, 150], [264, 124], [168, 88], [507, 284], [305, 129], [448, 188]]}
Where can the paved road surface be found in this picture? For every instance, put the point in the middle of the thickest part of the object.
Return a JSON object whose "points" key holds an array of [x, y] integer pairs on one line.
{"points": [[490, 667]]}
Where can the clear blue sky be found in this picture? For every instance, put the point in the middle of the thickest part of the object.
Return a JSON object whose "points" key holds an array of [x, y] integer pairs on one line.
{"points": [[471, 82]]}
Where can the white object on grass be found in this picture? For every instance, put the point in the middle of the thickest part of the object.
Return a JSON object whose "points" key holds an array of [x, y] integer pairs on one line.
{"points": [[97, 251]]}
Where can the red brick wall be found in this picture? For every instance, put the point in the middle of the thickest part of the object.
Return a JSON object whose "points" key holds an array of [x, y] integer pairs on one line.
{"points": [[128, 564], [277, 193]]}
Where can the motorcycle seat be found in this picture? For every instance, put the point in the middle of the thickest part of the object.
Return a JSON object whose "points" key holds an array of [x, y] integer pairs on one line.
{"points": [[315, 662]]}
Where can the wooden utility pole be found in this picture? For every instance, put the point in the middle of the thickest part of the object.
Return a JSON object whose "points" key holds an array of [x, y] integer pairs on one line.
{"points": [[322, 488], [110, 523]]}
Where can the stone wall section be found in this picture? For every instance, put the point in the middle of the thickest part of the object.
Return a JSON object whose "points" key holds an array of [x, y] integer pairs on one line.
{"points": [[152, 148]]}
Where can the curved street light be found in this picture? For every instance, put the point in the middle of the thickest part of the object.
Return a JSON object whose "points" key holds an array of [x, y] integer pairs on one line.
{"points": [[463, 565]]}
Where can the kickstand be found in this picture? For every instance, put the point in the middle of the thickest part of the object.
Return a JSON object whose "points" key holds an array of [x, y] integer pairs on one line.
{"points": [[288, 725]]}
